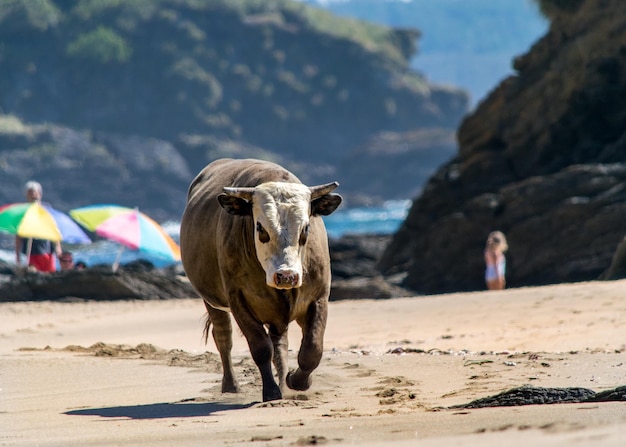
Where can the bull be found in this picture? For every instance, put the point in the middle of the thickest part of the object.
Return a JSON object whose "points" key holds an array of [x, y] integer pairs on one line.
{"points": [[253, 245]]}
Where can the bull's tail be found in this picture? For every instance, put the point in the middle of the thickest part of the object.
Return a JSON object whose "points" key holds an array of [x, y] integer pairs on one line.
{"points": [[207, 326]]}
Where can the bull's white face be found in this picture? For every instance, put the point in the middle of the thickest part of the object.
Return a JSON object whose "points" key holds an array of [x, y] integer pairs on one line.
{"points": [[280, 213], [281, 224]]}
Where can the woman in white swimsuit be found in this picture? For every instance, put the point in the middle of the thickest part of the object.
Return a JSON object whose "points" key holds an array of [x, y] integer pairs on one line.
{"points": [[495, 260]]}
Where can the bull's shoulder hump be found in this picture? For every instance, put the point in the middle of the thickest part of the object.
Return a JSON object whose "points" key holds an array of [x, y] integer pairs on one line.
{"points": [[244, 172]]}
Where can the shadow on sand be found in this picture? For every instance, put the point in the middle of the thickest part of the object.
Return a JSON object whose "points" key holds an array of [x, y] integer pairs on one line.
{"points": [[159, 410]]}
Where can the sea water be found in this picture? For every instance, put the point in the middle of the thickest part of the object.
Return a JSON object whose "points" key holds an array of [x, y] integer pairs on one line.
{"points": [[383, 219]]}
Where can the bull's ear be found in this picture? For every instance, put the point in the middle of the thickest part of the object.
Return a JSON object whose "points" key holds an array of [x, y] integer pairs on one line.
{"points": [[325, 205], [235, 205]]}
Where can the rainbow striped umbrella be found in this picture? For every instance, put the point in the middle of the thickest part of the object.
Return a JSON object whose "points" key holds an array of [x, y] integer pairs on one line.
{"points": [[35, 220], [129, 227]]}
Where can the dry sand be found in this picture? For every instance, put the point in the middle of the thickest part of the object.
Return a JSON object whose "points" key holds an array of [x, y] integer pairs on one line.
{"points": [[138, 373]]}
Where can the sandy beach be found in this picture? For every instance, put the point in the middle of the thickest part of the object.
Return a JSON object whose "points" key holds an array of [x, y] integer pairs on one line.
{"points": [[138, 373]]}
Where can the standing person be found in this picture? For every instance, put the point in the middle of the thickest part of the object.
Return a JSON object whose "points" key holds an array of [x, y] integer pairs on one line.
{"points": [[495, 261], [40, 252]]}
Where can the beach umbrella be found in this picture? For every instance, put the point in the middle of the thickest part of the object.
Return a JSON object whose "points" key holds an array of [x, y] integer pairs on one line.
{"points": [[35, 220], [129, 227]]}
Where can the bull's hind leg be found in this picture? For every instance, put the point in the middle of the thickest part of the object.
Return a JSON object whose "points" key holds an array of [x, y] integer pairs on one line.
{"points": [[223, 337], [312, 346]]}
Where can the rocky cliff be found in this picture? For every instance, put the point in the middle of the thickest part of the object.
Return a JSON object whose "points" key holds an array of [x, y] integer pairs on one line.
{"points": [[542, 159]]}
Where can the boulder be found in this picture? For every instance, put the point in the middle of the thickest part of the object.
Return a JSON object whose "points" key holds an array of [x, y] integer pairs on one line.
{"points": [[617, 269], [359, 288], [353, 261]]}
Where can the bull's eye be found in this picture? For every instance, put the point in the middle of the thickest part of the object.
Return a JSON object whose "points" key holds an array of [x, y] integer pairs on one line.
{"points": [[264, 236], [304, 235]]}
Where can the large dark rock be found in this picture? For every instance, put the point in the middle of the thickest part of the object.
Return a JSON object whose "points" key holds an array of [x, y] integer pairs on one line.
{"points": [[356, 255], [541, 159], [617, 269], [532, 395], [354, 275], [97, 283], [359, 288]]}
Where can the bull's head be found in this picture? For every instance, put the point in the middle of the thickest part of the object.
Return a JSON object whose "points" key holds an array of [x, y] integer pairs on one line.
{"points": [[281, 212]]}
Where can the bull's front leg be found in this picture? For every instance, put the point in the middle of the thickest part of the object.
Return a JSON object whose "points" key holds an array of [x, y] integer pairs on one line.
{"points": [[260, 346], [312, 346], [280, 340]]}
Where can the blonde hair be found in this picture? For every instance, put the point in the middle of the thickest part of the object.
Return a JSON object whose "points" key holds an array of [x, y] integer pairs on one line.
{"points": [[497, 238]]}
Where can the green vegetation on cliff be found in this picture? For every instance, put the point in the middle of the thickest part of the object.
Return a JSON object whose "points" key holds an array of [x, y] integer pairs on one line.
{"points": [[271, 73]]}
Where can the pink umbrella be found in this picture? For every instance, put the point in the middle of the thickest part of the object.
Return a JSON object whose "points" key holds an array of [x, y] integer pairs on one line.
{"points": [[129, 227]]}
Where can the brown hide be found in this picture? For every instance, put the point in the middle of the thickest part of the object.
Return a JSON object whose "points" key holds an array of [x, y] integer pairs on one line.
{"points": [[219, 258]]}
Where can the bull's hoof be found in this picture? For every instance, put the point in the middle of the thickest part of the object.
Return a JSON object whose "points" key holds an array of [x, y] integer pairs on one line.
{"points": [[298, 381], [273, 394], [230, 387]]}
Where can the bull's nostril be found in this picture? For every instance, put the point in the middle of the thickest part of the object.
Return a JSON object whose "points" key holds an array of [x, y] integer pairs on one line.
{"points": [[278, 278], [288, 278]]}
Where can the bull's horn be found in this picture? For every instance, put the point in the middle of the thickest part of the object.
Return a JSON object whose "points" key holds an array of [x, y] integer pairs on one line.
{"points": [[320, 190], [243, 192]]}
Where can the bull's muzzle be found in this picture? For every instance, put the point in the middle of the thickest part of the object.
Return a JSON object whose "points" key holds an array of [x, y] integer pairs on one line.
{"points": [[286, 279]]}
